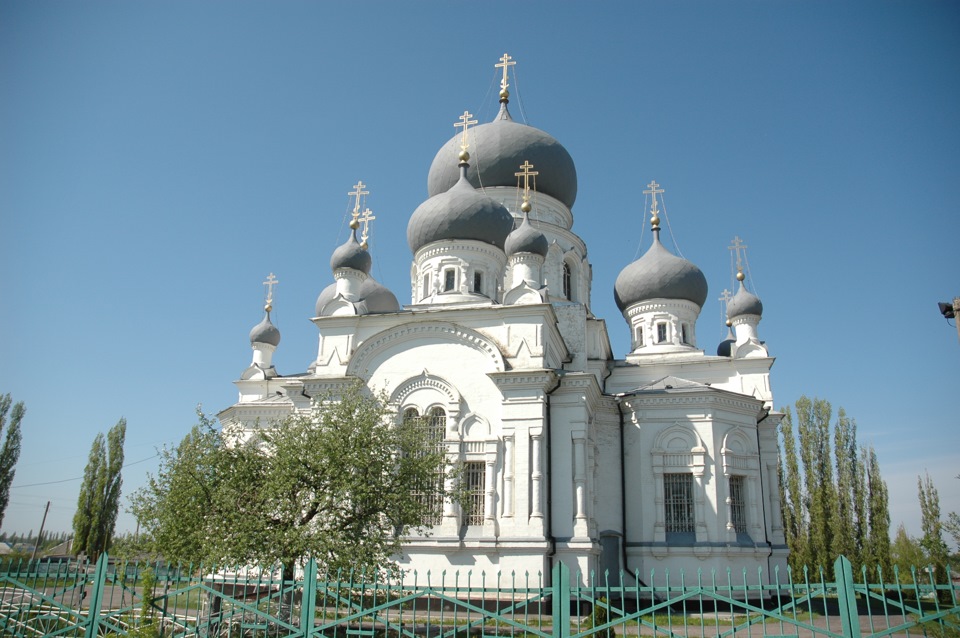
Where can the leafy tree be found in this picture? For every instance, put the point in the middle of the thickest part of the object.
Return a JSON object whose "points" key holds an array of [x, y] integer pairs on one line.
{"points": [[10, 452], [833, 502], [875, 533], [906, 553], [932, 540], [99, 500], [335, 484]]}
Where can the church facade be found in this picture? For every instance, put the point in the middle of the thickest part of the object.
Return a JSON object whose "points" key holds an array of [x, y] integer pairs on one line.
{"points": [[663, 460]]}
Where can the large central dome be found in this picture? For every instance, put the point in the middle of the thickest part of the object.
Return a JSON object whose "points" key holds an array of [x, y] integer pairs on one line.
{"points": [[497, 149]]}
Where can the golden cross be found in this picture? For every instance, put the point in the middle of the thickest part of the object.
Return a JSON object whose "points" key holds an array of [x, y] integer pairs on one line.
{"points": [[653, 188], [738, 246], [270, 283], [465, 122], [358, 192], [366, 217], [505, 63], [526, 174]]}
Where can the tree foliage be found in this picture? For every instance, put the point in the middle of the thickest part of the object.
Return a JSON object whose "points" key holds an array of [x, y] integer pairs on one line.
{"points": [[335, 484], [10, 452], [834, 500], [932, 540], [99, 500]]}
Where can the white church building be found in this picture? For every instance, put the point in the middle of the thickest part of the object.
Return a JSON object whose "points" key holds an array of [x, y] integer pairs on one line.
{"points": [[664, 459]]}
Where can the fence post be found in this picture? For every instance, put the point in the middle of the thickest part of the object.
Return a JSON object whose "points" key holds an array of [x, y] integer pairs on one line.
{"points": [[308, 600], [560, 584], [96, 597], [847, 597]]}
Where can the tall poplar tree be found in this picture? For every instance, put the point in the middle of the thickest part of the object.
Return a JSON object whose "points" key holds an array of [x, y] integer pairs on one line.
{"points": [[843, 519], [877, 553], [813, 427], [99, 500], [10, 452], [793, 504], [932, 540]]}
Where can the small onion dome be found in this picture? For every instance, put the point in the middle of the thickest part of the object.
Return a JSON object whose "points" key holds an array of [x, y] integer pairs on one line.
{"points": [[744, 303], [725, 347], [265, 332], [498, 148], [351, 255], [526, 239], [326, 296], [378, 298], [460, 213], [659, 274]]}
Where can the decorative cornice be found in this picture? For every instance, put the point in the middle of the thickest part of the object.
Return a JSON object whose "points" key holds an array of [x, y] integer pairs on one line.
{"points": [[444, 247]]}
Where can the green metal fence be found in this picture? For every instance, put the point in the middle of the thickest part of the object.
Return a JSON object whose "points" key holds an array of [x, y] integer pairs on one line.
{"points": [[109, 599]]}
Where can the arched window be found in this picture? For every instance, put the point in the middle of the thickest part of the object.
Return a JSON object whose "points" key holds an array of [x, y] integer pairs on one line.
{"points": [[567, 282], [431, 429]]}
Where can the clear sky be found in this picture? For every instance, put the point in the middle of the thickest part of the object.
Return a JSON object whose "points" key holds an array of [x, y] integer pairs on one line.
{"points": [[159, 159]]}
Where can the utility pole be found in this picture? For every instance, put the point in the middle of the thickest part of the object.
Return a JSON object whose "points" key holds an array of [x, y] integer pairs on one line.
{"points": [[40, 535]]}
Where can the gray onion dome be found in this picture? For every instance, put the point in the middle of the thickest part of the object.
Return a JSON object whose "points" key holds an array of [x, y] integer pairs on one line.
{"points": [[498, 148], [326, 296], [378, 298], [526, 239], [726, 346], [659, 274], [744, 303], [265, 332], [351, 255], [460, 213]]}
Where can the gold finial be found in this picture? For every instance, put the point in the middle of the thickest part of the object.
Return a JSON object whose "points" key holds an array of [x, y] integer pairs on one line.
{"points": [[526, 174], [365, 218], [465, 123], [653, 188], [738, 246], [505, 63], [270, 283], [357, 192]]}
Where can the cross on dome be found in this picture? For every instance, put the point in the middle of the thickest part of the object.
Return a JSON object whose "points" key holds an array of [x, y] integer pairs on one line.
{"points": [[739, 247], [505, 63], [365, 218], [526, 174], [653, 189], [464, 122], [357, 192], [270, 283]]}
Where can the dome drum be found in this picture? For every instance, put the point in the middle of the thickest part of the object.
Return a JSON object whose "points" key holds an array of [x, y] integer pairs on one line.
{"points": [[662, 325], [457, 271]]}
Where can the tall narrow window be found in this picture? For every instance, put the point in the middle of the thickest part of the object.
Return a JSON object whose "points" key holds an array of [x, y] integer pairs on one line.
{"points": [[567, 282], [449, 279], [432, 429], [738, 505], [474, 502], [478, 282], [683, 334], [640, 336], [661, 333], [678, 502], [426, 286]]}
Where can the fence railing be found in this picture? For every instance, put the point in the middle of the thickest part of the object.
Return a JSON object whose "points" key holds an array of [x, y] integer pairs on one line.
{"points": [[123, 599]]}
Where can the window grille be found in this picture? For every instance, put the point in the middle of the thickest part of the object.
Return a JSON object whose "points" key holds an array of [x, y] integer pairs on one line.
{"points": [[678, 502], [432, 429], [474, 476], [738, 505]]}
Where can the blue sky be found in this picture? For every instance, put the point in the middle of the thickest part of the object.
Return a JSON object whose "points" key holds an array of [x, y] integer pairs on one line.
{"points": [[159, 159]]}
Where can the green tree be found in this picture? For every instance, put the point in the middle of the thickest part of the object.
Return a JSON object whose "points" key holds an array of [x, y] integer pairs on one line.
{"points": [[99, 500], [813, 428], [335, 484], [10, 452], [843, 514], [932, 540], [906, 554], [793, 503], [877, 527]]}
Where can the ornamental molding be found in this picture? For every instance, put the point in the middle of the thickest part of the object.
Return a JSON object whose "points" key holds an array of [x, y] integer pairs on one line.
{"points": [[377, 344], [746, 405], [445, 247], [425, 380], [668, 306]]}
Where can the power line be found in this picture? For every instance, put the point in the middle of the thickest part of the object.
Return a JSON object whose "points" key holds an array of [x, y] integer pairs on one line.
{"points": [[79, 478]]}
